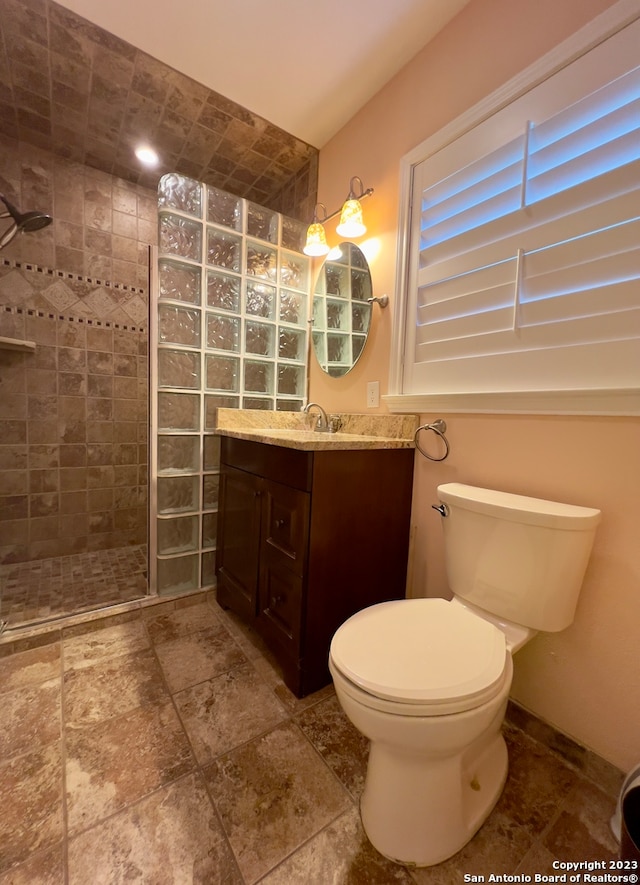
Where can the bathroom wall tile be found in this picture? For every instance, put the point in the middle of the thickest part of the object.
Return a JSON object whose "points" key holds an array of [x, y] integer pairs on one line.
{"points": [[303, 797], [100, 499], [100, 477], [43, 456], [44, 505], [14, 482], [13, 507], [45, 357], [100, 362], [13, 457], [101, 408], [43, 431], [13, 406], [42, 407], [15, 432], [99, 431], [73, 455], [43, 528], [73, 502], [44, 480], [41, 381], [100, 340], [72, 384], [73, 478]]}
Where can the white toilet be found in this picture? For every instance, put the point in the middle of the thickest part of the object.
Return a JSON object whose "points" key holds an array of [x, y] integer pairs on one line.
{"points": [[427, 680]]}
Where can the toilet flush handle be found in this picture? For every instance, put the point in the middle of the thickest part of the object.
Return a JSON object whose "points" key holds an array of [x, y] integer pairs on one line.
{"points": [[442, 509]]}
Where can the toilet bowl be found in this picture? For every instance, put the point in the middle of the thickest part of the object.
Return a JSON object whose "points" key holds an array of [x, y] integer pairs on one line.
{"points": [[427, 680], [438, 761]]}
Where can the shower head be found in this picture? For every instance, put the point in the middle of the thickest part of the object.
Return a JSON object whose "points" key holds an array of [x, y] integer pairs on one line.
{"points": [[21, 221]]}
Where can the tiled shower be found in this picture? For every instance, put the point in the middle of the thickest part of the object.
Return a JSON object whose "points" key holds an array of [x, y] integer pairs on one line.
{"points": [[74, 392], [74, 379]]}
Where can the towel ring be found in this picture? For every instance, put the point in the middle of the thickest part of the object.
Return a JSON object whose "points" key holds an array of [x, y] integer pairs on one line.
{"points": [[438, 427]]}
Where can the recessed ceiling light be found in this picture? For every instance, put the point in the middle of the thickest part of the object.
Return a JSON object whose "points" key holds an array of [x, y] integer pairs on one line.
{"points": [[147, 155]]}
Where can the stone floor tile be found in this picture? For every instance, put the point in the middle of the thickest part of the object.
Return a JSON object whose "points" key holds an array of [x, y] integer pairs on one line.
{"points": [[169, 838], [89, 648], [537, 784], [227, 711], [340, 854], [581, 831], [31, 817], [272, 795], [117, 762], [112, 686], [198, 656], [537, 860], [30, 667], [181, 622], [30, 718], [42, 868], [340, 744]]}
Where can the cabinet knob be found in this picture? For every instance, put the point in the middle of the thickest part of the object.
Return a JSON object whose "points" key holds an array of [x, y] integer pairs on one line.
{"points": [[277, 600], [279, 523]]}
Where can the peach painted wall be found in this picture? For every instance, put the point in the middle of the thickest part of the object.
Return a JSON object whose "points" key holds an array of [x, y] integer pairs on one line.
{"points": [[585, 680]]}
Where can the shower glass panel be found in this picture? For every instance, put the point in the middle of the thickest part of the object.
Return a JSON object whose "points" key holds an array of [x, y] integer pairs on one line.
{"points": [[230, 329]]}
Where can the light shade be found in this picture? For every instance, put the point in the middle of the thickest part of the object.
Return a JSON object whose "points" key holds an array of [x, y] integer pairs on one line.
{"points": [[351, 224], [316, 244]]}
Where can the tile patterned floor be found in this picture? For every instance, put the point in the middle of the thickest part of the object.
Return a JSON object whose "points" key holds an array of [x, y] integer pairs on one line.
{"points": [[163, 747], [64, 585]]}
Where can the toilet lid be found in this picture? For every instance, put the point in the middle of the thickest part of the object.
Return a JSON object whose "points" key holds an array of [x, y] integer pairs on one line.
{"points": [[421, 651]]}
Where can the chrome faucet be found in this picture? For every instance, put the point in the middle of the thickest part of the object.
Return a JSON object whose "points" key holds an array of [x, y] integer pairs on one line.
{"points": [[322, 424]]}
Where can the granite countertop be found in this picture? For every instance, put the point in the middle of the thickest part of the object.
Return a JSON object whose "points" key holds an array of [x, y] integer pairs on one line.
{"points": [[294, 430]]}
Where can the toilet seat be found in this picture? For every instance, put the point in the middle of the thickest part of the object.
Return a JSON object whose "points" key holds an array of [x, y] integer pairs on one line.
{"points": [[426, 656]]}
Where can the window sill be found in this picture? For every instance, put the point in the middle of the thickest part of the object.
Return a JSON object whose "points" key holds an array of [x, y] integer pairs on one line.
{"points": [[616, 401]]}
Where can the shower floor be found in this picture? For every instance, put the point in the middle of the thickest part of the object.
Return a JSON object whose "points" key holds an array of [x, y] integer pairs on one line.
{"points": [[36, 591]]}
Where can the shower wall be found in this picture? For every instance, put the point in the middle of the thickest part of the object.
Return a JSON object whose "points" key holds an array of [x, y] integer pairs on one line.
{"points": [[73, 410]]}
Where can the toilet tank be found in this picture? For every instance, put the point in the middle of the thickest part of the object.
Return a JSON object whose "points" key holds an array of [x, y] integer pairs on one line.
{"points": [[520, 558]]}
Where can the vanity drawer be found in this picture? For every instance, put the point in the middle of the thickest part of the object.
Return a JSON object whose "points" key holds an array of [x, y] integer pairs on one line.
{"points": [[280, 609], [291, 467], [285, 525]]}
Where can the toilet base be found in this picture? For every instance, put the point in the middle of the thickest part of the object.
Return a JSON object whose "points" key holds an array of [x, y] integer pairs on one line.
{"points": [[420, 815]]}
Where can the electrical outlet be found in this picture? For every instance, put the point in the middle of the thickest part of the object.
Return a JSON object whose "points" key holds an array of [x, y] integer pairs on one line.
{"points": [[373, 394]]}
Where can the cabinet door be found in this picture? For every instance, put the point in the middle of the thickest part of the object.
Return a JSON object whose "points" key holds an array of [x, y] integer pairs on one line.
{"points": [[283, 558], [237, 560]]}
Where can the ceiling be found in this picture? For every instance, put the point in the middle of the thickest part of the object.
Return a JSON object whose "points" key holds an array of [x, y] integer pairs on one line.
{"points": [[240, 94], [305, 67]]}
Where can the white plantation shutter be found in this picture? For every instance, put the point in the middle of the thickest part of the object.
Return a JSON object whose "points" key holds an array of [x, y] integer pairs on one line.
{"points": [[524, 248]]}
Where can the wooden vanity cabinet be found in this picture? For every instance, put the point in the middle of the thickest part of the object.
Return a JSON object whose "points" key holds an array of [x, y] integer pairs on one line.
{"points": [[307, 538]]}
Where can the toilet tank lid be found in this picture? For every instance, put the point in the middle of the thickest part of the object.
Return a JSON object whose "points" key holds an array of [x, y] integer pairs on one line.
{"points": [[519, 508]]}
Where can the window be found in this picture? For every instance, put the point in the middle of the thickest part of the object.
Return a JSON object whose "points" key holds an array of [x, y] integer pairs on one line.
{"points": [[523, 260]]}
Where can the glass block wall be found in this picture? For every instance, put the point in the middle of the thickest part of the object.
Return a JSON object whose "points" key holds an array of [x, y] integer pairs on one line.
{"points": [[231, 330]]}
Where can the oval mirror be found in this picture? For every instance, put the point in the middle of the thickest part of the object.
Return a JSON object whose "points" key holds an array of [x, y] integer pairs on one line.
{"points": [[341, 309]]}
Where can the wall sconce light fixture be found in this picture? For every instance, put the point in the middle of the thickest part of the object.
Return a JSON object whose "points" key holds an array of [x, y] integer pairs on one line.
{"points": [[351, 223]]}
